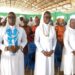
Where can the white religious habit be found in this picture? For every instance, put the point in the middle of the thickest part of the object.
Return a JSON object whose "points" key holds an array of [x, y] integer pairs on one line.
{"points": [[12, 63], [69, 46], [45, 39], [1, 29]]}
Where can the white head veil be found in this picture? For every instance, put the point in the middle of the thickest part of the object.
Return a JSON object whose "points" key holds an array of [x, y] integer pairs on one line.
{"points": [[16, 23], [43, 26], [21, 23], [21, 16], [3, 19], [62, 17], [71, 17], [59, 17], [42, 21]]}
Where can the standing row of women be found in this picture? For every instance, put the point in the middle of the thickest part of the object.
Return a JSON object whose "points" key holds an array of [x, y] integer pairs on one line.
{"points": [[48, 39], [45, 40]]}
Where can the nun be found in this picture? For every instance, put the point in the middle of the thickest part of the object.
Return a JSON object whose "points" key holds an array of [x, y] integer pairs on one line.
{"points": [[14, 39], [45, 41], [69, 45]]}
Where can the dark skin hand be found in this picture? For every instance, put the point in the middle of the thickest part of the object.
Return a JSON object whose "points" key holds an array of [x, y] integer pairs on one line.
{"points": [[13, 49], [50, 53], [73, 52], [47, 54], [0, 52]]}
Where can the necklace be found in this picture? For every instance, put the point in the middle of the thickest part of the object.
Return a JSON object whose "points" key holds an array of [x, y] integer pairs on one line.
{"points": [[46, 34]]}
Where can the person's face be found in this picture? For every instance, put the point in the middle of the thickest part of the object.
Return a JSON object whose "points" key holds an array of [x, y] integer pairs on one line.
{"points": [[11, 19], [60, 21], [72, 23], [46, 18], [37, 20], [21, 18], [31, 19], [4, 23]]}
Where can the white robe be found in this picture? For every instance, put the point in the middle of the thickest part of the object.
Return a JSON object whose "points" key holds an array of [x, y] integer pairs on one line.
{"points": [[0, 59], [68, 57], [44, 65], [12, 64], [30, 23], [1, 28]]}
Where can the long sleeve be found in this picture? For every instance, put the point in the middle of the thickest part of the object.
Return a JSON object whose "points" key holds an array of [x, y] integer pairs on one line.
{"points": [[54, 40], [66, 42], [23, 39], [37, 40]]}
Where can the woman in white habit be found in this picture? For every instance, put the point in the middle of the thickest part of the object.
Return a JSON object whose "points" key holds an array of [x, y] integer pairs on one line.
{"points": [[45, 40], [69, 48], [14, 39]]}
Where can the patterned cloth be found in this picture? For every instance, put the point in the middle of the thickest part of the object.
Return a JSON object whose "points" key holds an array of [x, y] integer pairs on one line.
{"points": [[12, 36], [60, 32]]}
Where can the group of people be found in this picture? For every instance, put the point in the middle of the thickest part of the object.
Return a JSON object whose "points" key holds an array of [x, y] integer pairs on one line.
{"points": [[54, 44]]}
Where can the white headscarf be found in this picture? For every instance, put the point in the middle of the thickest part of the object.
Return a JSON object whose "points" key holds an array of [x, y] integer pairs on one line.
{"points": [[59, 17], [3, 19], [42, 20], [43, 26], [62, 17], [16, 23], [21, 23], [21, 16], [71, 17]]}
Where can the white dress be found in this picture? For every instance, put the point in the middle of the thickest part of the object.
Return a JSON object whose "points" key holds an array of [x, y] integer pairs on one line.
{"points": [[12, 64], [44, 65], [0, 59], [68, 57]]}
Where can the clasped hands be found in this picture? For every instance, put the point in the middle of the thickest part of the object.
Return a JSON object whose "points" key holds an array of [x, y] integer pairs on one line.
{"points": [[13, 49], [48, 53]]}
